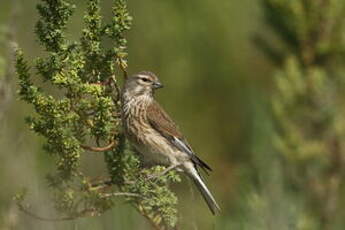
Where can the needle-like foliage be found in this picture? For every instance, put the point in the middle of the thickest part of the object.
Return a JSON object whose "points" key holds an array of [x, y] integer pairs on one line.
{"points": [[84, 115]]}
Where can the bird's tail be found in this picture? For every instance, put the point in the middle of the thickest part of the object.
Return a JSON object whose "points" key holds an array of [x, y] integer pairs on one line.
{"points": [[206, 194]]}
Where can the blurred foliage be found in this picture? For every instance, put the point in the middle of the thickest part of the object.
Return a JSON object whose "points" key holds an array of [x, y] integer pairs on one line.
{"points": [[4, 69], [308, 106]]}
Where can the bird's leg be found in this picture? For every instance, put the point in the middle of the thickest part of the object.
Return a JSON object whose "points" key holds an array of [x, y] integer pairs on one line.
{"points": [[165, 171]]}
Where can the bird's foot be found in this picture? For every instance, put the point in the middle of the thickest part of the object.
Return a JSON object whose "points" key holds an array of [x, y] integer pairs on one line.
{"points": [[165, 171]]}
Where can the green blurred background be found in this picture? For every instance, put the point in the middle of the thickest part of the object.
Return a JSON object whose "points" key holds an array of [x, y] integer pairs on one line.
{"points": [[217, 87]]}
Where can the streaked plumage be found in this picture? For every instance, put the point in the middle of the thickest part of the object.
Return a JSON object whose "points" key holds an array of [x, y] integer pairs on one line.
{"points": [[154, 134]]}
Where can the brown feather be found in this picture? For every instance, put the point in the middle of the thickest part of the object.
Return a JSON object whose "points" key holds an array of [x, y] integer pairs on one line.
{"points": [[161, 122]]}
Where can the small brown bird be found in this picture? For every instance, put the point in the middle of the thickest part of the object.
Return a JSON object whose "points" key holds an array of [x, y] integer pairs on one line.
{"points": [[154, 135]]}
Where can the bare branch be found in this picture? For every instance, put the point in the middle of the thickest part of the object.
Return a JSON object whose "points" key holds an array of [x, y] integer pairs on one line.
{"points": [[110, 146], [150, 219], [106, 195], [165, 171], [83, 213]]}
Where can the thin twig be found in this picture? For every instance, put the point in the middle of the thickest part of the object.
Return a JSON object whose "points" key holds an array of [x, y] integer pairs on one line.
{"points": [[155, 176], [106, 195], [165, 171], [117, 89], [123, 68], [103, 183], [110, 146], [144, 214], [83, 213]]}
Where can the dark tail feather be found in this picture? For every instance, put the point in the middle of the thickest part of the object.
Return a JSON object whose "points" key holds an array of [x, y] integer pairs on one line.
{"points": [[197, 161], [206, 194]]}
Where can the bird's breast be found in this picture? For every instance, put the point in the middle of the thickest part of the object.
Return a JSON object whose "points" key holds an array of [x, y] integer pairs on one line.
{"points": [[135, 120], [150, 143]]}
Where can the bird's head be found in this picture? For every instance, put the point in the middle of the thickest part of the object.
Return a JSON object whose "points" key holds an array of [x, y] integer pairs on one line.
{"points": [[142, 83]]}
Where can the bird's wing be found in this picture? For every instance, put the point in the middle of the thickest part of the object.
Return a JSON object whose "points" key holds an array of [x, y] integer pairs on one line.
{"points": [[161, 122]]}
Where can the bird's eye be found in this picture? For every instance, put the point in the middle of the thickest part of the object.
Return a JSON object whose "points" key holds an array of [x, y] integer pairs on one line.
{"points": [[145, 79]]}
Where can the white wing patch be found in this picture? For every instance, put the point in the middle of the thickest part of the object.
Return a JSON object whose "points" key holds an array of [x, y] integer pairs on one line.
{"points": [[182, 146]]}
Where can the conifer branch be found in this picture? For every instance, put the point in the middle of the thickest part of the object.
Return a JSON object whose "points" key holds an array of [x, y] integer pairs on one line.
{"points": [[88, 110]]}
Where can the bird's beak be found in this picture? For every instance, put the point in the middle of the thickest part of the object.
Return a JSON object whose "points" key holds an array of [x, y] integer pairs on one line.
{"points": [[157, 85]]}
